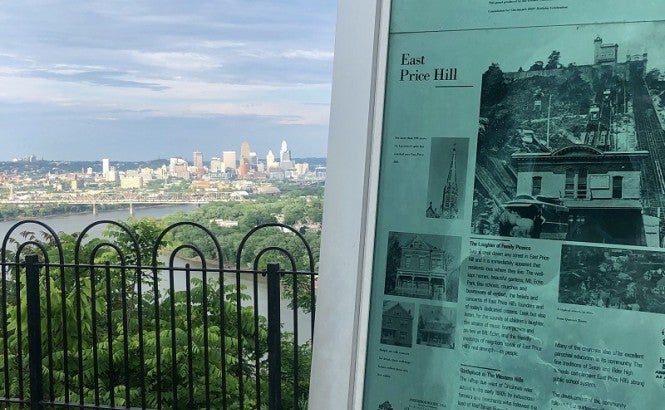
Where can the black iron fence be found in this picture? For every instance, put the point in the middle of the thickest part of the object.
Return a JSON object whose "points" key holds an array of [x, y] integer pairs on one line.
{"points": [[128, 319]]}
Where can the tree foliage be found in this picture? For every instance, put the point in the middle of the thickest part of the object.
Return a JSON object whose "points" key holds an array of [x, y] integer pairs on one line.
{"points": [[537, 66], [136, 331], [575, 92], [553, 60], [393, 262], [494, 88], [297, 211], [496, 119]]}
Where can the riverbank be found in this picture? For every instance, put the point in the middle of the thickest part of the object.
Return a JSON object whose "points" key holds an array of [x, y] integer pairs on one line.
{"points": [[76, 222], [58, 212]]}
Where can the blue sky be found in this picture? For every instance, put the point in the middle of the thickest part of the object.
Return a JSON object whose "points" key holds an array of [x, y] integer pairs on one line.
{"points": [[132, 80]]}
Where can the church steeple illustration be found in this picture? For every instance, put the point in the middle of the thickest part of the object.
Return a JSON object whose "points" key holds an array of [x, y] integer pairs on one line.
{"points": [[444, 188], [450, 190]]}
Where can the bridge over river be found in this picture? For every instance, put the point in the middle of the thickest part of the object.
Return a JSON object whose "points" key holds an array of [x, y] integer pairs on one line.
{"points": [[131, 198]]}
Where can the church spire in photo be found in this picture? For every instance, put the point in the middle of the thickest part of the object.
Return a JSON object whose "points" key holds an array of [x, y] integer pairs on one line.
{"points": [[450, 190]]}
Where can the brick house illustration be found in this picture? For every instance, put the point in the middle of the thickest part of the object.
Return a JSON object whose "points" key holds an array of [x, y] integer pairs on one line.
{"points": [[396, 325], [423, 270]]}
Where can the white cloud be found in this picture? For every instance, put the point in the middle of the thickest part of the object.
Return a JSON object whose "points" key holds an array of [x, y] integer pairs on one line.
{"points": [[217, 44], [309, 54], [257, 63], [68, 69], [282, 112], [178, 61], [285, 103], [262, 52]]}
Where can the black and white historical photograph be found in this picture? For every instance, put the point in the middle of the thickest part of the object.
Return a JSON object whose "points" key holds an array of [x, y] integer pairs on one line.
{"points": [[436, 326], [397, 323], [570, 137], [613, 278], [423, 266], [447, 177]]}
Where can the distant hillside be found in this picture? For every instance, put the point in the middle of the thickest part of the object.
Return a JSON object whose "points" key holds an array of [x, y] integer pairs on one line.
{"points": [[59, 167], [312, 161], [511, 102]]}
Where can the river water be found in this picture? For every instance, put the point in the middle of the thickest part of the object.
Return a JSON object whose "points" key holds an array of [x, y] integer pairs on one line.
{"points": [[77, 222]]}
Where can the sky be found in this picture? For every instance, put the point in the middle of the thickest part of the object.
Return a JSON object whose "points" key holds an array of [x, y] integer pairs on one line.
{"points": [[141, 80]]}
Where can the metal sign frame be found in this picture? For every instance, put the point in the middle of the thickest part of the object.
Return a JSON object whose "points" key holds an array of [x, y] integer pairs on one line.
{"points": [[347, 242]]}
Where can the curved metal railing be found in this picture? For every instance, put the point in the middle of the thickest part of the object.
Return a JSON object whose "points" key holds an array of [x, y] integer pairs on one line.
{"points": [[127, 319]]}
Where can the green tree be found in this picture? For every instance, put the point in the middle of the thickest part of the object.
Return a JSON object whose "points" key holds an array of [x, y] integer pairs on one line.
{"points": [[575, 92], [93, 313], [537, 66], [294, 212], [553, 60], [494, 88], [393, 262]]}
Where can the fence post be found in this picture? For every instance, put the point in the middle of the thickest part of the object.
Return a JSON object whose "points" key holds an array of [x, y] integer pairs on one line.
{"points": [[34, 331], [274, 339]]}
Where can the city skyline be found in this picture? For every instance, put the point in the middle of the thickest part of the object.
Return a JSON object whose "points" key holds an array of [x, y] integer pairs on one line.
{"points": [[137, 81], [206, 156]]}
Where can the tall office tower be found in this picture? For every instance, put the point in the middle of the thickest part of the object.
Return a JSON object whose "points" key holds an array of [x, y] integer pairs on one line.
{"points": [[173, 161], [113, 175], [253, 161], [216, 165], [245, 153], [243, 169], [284, 153], [106, 166], [179, 168], [229, 158], [285, 162], [270, 160], [450, 191], [198, 160]]}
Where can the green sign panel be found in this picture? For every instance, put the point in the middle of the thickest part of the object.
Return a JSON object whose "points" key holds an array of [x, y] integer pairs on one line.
{"points": [[518, 259]]}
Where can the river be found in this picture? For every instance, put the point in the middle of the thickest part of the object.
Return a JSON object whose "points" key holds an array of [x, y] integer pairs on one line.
{"points": [[77, 222]]}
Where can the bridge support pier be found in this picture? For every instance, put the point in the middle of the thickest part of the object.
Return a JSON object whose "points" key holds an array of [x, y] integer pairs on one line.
{"points": [[94, 209], [131, 209]]}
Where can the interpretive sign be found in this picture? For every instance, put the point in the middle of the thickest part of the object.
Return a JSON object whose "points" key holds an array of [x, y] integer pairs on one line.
{"points": [[517, 256]]}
